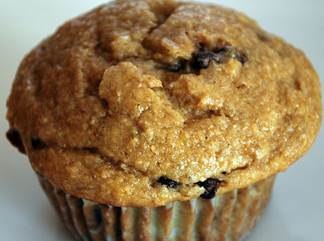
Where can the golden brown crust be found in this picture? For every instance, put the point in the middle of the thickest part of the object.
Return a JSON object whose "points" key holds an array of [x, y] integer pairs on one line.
{"points": [[106, 94]]}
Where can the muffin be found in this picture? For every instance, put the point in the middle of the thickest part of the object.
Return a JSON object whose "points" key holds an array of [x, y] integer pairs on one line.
{"points": [[162, 120]]}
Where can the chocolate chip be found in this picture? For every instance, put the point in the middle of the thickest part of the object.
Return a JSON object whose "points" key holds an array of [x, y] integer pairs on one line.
{"points": [[233, 53], [14, 138], [202, 58], [168, 182], [104, 103], [208, 195], [37, 143], [242, 58], [92, 150], [178, 66], [211, 185]]}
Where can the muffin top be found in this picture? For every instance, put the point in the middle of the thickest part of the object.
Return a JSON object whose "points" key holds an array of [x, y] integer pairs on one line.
{"points": [[141, 103]]}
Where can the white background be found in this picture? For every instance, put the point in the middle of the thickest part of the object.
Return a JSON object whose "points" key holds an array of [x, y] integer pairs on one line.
{"points": [[296, 212]]}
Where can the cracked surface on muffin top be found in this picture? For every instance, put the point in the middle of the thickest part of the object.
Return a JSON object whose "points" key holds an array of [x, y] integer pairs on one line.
{"points": [[139, 103]]}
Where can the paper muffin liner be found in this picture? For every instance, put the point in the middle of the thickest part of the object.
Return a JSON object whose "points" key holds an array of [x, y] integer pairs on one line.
{"points": [[227, 217]]}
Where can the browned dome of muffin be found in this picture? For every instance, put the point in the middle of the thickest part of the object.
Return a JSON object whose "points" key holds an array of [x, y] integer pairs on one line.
{"points": [[142, 103]]}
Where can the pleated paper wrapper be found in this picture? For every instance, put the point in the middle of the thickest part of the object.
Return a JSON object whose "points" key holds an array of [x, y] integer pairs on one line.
{"points": [[227, 217]]}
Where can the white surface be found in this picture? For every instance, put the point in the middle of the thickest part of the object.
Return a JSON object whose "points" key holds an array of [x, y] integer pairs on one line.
{"points": [[296, 212]]}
